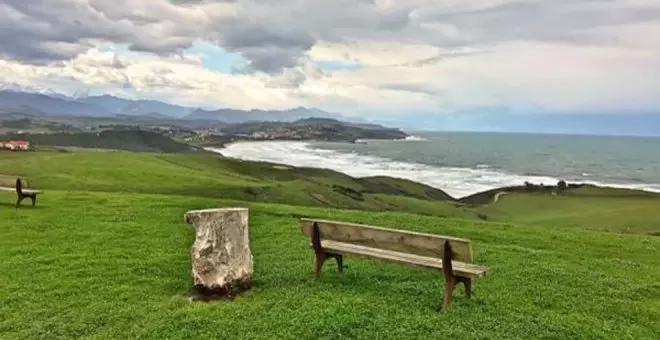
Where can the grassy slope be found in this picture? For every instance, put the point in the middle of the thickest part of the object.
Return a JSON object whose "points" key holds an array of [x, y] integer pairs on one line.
{"points": [[214, 176], [206, 175], [132, 140], [623, 211], [116, 265]]}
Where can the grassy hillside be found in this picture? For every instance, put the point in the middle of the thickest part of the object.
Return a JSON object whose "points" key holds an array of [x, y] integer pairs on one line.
{"points": [[617, 210], [210, 175], [316, 129], [131, 140], [105, 255], [88, 265], [215, 176]]}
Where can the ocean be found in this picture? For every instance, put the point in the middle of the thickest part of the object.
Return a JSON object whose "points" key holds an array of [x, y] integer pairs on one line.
{"points": [[466, 163]]}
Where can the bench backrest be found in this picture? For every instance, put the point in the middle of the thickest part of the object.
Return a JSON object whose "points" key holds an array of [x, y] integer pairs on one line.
{"points": [[10, 181], [390, 239]]}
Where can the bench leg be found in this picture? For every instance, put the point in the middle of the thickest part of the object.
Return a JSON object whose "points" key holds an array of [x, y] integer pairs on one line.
{"points": [[19, 200], [448, 271], [450, 284], [340, 263], [320, 259], [467, 282]]}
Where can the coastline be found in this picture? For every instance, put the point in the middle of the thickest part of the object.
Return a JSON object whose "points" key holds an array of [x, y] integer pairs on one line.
{"points": [[298, 154], [408, 138]]}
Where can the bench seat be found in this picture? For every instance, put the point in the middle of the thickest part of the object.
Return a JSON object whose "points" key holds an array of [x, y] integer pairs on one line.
{"points": [[27, 191], [460, 268]]}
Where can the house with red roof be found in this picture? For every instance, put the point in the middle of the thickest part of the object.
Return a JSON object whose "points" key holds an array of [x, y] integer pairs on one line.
{"points": [[15, 145]]}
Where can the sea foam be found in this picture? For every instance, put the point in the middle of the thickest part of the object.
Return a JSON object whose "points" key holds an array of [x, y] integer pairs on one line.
{"points": [[414, 139], [456, 181]]}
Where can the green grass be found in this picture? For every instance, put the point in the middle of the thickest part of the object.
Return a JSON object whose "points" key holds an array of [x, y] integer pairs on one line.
{"points": [[214, 176], [208, 175], [622, 211], [105, 255], [90, 265]]}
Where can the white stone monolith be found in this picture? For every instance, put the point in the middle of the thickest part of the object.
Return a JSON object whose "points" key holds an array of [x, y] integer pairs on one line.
{"points": [[221, 256]]}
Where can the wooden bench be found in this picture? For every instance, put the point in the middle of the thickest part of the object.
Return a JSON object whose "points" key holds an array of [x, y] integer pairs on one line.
{"points": [[334, 239], [19, 185]]}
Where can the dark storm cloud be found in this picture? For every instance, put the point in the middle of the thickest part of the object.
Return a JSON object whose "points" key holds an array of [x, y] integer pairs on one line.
{"points": [[43, 30], [271, 36], [275, 35]]}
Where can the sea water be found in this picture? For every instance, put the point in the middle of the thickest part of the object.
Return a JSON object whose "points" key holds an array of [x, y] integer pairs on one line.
{"points": [[465, 163]]}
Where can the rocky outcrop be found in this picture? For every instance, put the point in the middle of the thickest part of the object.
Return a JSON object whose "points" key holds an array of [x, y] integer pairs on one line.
{"points": [[221, 257]]}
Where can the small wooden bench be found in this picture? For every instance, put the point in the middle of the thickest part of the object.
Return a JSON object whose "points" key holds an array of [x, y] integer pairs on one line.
{"points": [[19, 185], [334, 239]]}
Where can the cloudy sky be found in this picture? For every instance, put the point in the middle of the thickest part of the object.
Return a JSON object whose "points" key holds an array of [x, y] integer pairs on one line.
{"points": [[361, 57]]}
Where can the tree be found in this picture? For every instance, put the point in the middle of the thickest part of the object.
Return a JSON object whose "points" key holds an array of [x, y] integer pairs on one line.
{"points": [[561, 185]]}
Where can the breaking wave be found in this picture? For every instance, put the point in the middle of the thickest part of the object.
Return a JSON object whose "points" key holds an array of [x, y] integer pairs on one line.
{"points": [[456, 181], [415, 139]]}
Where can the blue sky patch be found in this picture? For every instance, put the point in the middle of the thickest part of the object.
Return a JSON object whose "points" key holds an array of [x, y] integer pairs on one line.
{"points": [[338, 65], [216, 58]]}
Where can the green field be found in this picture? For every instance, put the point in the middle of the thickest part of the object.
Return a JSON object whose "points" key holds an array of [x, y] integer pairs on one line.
{"points": [[105, 255], [622, 211], [213, 176]]}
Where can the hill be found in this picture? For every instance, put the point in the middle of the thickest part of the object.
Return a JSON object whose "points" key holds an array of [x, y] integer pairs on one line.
{"points": [[325, 129], [105, 254], [129, 139], [588, 207], [48, 131], [121, 106], [40, 104], [46, 124], [213, 176], [52, 104]]}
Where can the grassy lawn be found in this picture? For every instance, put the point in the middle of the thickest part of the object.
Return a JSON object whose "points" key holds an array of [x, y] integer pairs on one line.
{"points": [[105, 255], [614, 210], [116, 265], [594, 209], [215, 176]]}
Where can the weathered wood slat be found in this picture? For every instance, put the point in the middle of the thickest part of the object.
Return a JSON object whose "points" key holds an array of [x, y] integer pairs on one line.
{"points": [[461, 269], [415, 243], [27, 191]]}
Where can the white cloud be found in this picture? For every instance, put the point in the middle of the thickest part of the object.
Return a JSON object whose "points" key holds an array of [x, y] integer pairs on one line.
{"points": [[559, 56]]}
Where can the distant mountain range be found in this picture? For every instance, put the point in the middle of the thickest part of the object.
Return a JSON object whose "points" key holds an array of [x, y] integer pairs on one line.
{"points": [[47, 103], [233, 116], [51, 104], [115, 105]]}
